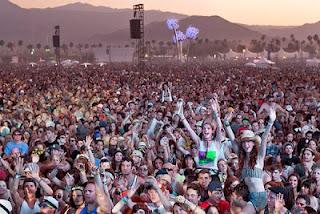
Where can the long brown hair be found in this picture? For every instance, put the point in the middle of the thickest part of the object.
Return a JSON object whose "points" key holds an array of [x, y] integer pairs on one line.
{"points": [[252, 158], [227, 190]]}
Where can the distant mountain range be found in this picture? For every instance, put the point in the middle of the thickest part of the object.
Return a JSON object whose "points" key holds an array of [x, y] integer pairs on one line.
{"points": [[82, 22], [300, 32], [211, 27]]}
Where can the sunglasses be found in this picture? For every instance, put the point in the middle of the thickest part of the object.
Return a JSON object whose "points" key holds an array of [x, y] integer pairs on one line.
{"points": [[144, 169]]}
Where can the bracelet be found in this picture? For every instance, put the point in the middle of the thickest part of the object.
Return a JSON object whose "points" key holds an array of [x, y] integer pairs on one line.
{"points": [[215, 115], [125, 199], [226, 123], [18, 175], [124, 194], [68, 188]]}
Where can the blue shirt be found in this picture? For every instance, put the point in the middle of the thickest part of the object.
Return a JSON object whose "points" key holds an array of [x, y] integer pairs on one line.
{"points": [[85, 211], [272, 150], [22, 146]]}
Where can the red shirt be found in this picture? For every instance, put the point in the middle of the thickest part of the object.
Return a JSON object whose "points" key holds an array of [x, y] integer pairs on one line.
{"points": [[223, 206]]}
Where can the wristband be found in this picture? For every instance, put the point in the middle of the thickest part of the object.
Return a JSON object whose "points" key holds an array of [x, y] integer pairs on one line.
{"points": [[215, 115], [226, 123], [18, 175], [124, 194], [125, 199]]}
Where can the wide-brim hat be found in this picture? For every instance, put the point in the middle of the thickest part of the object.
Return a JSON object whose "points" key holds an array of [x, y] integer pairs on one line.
{"points": [[248, 135]]}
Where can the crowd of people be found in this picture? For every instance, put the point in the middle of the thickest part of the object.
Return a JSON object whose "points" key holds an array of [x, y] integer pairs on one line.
{"points": [[162, 138]]}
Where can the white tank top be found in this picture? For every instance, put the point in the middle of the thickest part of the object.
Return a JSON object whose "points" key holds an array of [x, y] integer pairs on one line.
{"points": [[208, 158], [25, 209]]}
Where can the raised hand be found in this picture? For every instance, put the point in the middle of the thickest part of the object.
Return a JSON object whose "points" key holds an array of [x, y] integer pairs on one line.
{"points": [[214, 105], [179, 109], [272, 114], [215, 96], [34, 170], [69, 179], [228, 117], [279, 202], [180, 199], [18, 163], [88, 142], [53, 173], [93, 168]]}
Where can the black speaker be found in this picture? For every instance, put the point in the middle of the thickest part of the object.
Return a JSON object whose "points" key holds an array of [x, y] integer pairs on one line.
{"points": [[135, 30], [56, 41]]}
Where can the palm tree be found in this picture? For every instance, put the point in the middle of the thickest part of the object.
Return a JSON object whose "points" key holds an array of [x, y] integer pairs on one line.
{"points": [[292, 37], [310, 39], [1, 44], [10, 45], [71, 45], [161, 43], [38, 46], [148, 44], [65, 49], [30, 47], [80, 46], [316, 37], [20, 43]]}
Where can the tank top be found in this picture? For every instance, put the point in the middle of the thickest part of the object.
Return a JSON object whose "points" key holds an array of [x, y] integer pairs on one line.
{"points": [[208, 158], [25, 209]]}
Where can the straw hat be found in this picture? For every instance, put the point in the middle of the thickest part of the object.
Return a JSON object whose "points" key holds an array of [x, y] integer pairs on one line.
{"points": [[248, 135]]}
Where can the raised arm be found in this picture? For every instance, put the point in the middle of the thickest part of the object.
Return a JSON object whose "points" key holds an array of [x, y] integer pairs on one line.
{"points": [[126, 200], [87, 144], [193, 135], [216, 117], [15, 184], [263, 107], [227, 119], [193, 207], [263, 145], [42, 183]]}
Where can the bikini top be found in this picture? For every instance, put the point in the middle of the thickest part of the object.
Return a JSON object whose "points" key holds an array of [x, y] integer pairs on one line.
{"points": [[251, 173]]}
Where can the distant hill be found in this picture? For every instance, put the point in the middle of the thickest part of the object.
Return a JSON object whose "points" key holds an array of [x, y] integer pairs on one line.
{"points": [[211, 27], [300, 32], [82, 22], [78, 22]]}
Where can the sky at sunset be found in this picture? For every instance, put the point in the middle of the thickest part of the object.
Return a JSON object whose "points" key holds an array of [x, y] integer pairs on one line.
{"points": [[262, 12]]}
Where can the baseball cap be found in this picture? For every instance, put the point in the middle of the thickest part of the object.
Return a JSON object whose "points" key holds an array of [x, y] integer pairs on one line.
{"points": [[49, 200]]}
